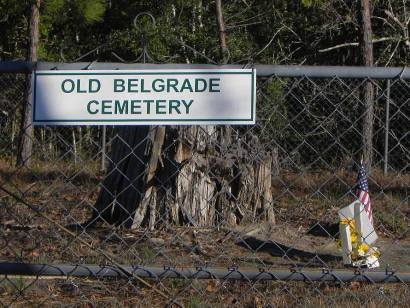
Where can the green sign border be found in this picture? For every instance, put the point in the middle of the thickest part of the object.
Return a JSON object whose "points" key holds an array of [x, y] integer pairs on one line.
{"points": [[253, 100]]}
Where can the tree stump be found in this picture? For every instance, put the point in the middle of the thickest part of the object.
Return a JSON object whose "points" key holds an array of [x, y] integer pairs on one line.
{"points": [[197, 175]]}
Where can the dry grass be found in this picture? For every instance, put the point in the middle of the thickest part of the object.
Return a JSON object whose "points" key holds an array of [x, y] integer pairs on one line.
{"points": [[196, 293]]}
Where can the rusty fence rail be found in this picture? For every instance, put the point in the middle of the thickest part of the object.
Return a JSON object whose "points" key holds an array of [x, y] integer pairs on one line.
{"points": [[159, 273]]}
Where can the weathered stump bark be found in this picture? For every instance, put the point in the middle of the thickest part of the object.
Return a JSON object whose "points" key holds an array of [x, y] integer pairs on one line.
{"points": [[124, 187], [193, 175]]}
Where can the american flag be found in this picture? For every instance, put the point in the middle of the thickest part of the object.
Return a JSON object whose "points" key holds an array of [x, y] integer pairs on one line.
{"points": [[362, 191]]}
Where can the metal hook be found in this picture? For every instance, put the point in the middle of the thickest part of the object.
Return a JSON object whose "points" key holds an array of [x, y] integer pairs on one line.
{"points": [[144, 14], [144, 42]]}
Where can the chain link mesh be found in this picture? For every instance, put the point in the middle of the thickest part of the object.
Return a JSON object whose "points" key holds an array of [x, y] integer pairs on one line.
{"points": [[230, 203]]}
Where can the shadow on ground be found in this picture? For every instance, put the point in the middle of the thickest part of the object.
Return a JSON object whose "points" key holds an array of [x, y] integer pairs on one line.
{"points": [[280, 250]]}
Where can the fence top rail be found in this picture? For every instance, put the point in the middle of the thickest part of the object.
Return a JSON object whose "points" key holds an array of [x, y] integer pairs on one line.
{"points": [[262, 70]]}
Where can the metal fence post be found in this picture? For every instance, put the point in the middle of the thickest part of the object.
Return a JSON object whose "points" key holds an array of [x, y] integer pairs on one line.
{"points": [[386, 133], [103, 154]]}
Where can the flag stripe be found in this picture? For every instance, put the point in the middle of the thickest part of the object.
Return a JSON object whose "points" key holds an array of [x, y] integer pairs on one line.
{"points": [[362, 191]]}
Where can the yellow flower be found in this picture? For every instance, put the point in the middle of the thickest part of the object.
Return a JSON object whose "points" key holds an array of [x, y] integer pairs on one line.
{"points": [[374, 252], [353, 237], [362, 249], [348, 222]]}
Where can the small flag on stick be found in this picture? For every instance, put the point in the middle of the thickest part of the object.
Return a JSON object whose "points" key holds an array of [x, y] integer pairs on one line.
{"points": [[362, 191]]}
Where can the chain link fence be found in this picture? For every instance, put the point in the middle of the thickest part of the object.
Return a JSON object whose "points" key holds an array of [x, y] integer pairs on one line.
{"points": [[200, 216]]}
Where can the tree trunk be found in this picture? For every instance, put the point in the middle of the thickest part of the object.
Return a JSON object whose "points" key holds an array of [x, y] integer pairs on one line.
{"points": [[367, 60], [222, 32], [24, 154]]}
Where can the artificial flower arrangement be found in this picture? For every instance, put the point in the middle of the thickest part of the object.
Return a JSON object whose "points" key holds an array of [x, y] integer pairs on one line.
{"points": [[362, 254]]}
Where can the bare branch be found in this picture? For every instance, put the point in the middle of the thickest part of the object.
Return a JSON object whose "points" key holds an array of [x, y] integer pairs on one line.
{"points": [[403, 26], [230, 27], [246, 3], [270, 41], [237, 14], [385, 21], [381, 55], [383, 39], [252, 17], [395, 19], [392, 54]]}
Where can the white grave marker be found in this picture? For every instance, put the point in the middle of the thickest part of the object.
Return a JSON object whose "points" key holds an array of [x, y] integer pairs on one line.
{"points": [[363, 227]]}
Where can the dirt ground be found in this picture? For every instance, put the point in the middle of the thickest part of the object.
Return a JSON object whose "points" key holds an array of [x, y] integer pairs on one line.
{"points": [[186, 247], [294, 241]]}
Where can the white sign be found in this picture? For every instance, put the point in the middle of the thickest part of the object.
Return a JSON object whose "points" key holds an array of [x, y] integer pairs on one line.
{"points": [[144, 97]]}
